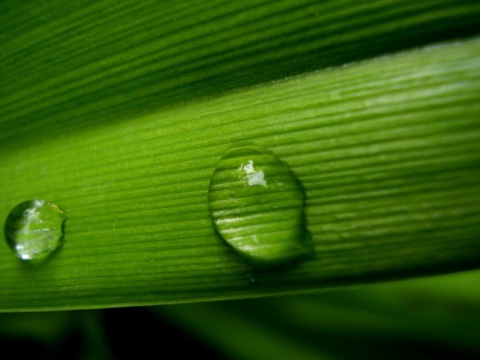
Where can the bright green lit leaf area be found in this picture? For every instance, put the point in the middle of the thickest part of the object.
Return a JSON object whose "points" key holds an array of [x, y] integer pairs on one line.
{"points": [[256, 204], [120, 112], [386, 150]]}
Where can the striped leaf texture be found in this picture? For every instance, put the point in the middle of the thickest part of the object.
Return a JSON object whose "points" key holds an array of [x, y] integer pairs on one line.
{"points": [[119, 112]]}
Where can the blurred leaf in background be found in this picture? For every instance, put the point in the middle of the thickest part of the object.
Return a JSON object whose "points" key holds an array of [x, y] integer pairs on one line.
{"points": [[425, 318]]}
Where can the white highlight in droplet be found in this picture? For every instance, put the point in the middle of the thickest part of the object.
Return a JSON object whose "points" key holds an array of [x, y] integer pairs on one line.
{"points": [[253, 177]]}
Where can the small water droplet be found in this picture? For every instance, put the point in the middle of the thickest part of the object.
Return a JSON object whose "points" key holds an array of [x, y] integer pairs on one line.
{"points": [[257, 205], [34, 229]]}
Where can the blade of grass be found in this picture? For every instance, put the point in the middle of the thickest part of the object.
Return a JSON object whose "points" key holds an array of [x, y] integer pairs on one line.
{"points": [[65, 63], [387, 151]]}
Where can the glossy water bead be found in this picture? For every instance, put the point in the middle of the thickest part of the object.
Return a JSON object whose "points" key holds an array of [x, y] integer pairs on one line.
{"points": [[34, 229], [257, 205]]}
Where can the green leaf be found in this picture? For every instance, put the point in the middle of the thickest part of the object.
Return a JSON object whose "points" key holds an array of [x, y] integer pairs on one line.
{"points": [[418, 319], [386, 149]]}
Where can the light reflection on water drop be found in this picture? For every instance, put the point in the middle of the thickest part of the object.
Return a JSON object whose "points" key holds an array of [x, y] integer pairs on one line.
{"points": [[34, 229], [257, 205]]}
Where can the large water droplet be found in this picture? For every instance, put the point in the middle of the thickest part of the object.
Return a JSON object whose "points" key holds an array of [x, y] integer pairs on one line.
{"points": [[34, 229], [257, 205]]}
